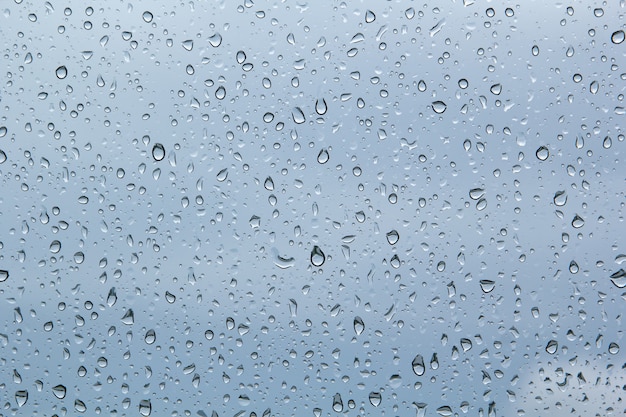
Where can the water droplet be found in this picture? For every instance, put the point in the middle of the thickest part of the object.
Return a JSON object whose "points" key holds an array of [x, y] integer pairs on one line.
{"points": [[337, 403], [375, 398], [594, 87], [129, 317], [188, 44], [220, 93], [476, 193], [150, 337], [59, 391], [392, 237], [320, 107], [317, 256], [21, 397], [481, 204], [369, 16], [463, 83], [298, 115], [359, 326], [4, 275], [487, 285], [560, 198], [360, 216], [323, 156], [444, 411], [619, 278], [55, 246], [421, 86], [147, 16], [158, 152], [578, 222], [496, 89], [613, 348], [111, 297], [269, 184], [215, 40], [409, 13], [552, 347], [439, 107], [618, 37], [573, 267], [418, 365], [542, 153], [61, 72], [3, 156], [145, 408], [222, 175]]}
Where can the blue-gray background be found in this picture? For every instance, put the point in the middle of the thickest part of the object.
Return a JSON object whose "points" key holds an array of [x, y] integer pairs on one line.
{"points": [[185, 280]]}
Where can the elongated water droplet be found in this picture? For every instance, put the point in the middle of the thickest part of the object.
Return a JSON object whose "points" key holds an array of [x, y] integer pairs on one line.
{"points": [[321, 107], [476, 193], [222, 175], [594, 87], [145, 408], [337, 403], [359, 326], [317, 256], [150, 337], [375, 398], [158, 152], [323, 156], [619, 278], [298, 115], [269, 184], [418, 365]]}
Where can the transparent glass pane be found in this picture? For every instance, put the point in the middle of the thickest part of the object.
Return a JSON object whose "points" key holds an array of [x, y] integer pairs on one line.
{"points": [[216, 208]]}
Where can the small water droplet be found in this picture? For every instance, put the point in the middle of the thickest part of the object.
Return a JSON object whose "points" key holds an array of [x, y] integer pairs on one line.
{"points": [[222, 175], [317, 256], [129, 317], [573, 267], [321, 107], [145, 408], [369, 16], [594, 87], [476, 193]]}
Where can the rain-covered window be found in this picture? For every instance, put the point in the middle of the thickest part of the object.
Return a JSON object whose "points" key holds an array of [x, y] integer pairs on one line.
{"points": [[252, 208]]}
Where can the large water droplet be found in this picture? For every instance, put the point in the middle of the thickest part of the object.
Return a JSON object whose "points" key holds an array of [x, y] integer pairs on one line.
{"points": [[150, 337], [393, 237], [487, 285], [145, 408], [298, 115], [369, 16], [359, 326], [158, 152], [129, 317], [594, 87], [476, 193], [439, 106], [323, 156], [320, 107], [542, 153], [618, 37], [578, 222], [222, 175], [61, 72], [337, 403], [59, 391], [619, 278], [560, 198], [552, 347], [375, 398], [418, 365], [215, 40], [147, 16], [4, 275], [317, 256]]}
